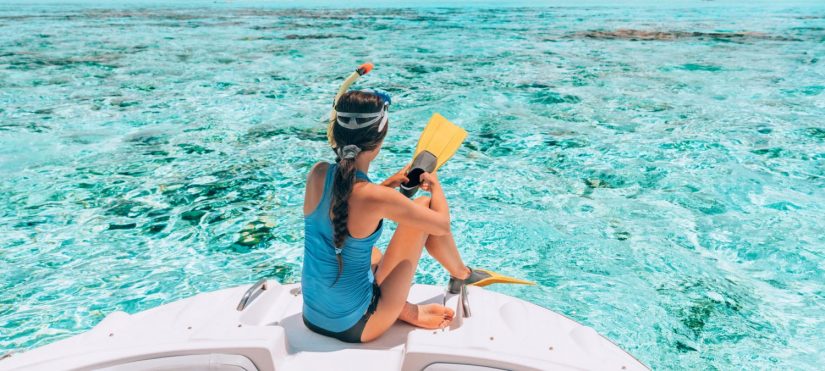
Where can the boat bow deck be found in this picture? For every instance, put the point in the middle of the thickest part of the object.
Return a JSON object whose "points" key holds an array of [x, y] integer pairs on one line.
{"points": [[502, 333]]}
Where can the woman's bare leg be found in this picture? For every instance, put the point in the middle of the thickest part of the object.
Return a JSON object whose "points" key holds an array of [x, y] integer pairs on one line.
{"points": [[394, 275], [444, 250]]}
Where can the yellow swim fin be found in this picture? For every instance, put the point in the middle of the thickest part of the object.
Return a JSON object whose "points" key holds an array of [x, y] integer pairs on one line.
{"points": [[441, 138], [483, 277], [438, 142]]}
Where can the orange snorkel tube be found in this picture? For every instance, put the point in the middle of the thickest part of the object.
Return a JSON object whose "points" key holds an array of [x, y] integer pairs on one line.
{"points": [[360, 71]]}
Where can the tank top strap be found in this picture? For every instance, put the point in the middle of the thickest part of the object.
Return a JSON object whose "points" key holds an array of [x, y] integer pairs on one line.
{"points": [[360, 175], [326, 198], [329, 179], [331, 175]]}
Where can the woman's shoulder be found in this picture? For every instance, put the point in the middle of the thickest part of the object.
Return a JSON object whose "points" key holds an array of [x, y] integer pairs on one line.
{"points": [[319, 170], [315, 186], [321, 166]]}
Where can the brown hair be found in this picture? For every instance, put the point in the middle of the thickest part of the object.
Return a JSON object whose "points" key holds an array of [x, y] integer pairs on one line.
{"points": [[366, 139]]}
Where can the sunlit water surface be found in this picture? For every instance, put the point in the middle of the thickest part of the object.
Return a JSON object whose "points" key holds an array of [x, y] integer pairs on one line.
{"points": [[658, 172]]}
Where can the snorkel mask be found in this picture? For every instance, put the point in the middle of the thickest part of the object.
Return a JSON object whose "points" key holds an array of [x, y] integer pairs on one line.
{"points": [[358, 120], [350, 120]]}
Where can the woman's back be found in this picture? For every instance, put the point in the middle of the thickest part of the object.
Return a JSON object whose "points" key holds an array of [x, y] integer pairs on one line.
{"points": [[332, 300]]}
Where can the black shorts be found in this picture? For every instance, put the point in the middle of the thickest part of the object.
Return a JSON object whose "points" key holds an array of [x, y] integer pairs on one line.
{"points": [[352, 334]]}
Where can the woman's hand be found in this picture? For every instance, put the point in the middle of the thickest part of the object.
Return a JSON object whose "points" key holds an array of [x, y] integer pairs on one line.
{"points": [[396, 179], [429, 181]]}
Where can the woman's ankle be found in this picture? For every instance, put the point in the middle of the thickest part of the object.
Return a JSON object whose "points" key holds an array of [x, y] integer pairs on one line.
{"points": [[409, 312], [464, 274]]}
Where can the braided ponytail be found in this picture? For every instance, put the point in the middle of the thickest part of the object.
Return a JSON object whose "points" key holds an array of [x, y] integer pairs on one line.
{"points": [[350, 143], [342, 184]]}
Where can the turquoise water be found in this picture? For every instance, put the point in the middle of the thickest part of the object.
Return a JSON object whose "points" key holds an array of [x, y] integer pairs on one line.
{"points": [[659, 171]]}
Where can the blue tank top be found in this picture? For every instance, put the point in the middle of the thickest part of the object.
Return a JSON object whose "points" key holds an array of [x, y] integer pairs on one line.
{"points": [[339, 307]]}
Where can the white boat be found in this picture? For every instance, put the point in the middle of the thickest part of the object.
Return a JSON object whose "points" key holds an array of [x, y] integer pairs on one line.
{"points": [[259, 327]]}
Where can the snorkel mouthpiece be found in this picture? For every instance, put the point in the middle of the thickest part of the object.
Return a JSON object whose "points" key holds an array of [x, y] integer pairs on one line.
{"points": [[364, 68]]}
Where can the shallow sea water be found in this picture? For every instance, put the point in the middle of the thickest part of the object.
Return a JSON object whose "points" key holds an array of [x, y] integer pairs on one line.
{"points": [[659, 172]]}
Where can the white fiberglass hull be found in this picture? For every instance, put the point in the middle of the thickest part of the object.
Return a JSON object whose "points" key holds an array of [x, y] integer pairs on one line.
{"points": [[207, 331]]}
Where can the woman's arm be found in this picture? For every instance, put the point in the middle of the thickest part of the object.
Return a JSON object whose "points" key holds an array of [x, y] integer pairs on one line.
{"points": [[434, 220], [438, 202], [396, 179]]}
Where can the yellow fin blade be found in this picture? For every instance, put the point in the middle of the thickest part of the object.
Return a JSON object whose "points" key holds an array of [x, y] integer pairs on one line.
{"points": [[499, 278], [442, 138]]}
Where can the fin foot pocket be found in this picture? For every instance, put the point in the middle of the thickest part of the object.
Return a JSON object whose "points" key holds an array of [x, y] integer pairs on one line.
{"points": [[423, 163], [482, 277]]}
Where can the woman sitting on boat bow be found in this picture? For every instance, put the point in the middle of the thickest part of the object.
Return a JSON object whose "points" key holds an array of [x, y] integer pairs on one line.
{"points": [[344, 212]]}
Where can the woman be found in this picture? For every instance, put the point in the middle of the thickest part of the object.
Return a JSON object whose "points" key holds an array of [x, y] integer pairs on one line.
{"points": [[344, 213]]}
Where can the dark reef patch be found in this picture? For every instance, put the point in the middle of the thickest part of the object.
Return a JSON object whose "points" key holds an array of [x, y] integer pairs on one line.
{"points": [[551, 97], [256, 232], [127, 208], [113, 226], [691, 145], [699, 67], [808, 91], [322, 36], [774, 152], [148, 138], [489, 141], [269, 131], [684, 348], [194, 215], [564, 143], [604, 180], [813, 132], [419, 69], [703, 204], [650, 35], [25, 60], [191, 148]]}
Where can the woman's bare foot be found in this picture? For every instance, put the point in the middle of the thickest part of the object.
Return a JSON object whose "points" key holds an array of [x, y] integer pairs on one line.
{"points": [[429, 316]]}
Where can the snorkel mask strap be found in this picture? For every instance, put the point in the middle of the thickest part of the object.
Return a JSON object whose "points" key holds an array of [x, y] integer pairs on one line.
{"points": [[349, 120]]}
